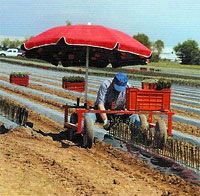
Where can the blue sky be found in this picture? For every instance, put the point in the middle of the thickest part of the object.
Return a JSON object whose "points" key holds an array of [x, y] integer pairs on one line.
{"points": [[172, 21]]}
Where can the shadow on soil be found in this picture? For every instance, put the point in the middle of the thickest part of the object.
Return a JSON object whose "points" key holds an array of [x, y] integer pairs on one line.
{"points": [[63, 135], [3, 129]]}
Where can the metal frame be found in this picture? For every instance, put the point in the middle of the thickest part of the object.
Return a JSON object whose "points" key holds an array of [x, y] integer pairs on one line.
{"points": [[81, 110]]}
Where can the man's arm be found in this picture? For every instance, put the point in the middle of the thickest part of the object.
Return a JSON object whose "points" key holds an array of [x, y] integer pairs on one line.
{"points": [[106, 122], [103, 115], [101, 100]]}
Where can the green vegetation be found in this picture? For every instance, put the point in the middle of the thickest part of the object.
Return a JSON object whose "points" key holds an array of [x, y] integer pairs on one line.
{"points": [[150, 80], [68, 23], [144, 39], [173, 65], [73, 79], [7, 43], [188, 52], [156, 46], [13, 111], [161, 83], [20, 74]]}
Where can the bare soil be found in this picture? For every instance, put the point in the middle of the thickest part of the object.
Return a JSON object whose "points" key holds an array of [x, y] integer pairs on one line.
{"points": [[47, 164]]}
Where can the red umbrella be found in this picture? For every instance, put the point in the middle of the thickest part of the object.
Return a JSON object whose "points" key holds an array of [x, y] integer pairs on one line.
{"points": [[107, 45], [93, 45]]}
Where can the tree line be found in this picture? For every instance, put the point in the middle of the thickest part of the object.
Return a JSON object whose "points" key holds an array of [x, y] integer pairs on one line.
{"points": [[188, 52], [7, 43]]}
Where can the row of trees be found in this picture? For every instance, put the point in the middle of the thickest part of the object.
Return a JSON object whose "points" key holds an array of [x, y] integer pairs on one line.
{"points": [[7, 43], [188, 52], [156, 47]]}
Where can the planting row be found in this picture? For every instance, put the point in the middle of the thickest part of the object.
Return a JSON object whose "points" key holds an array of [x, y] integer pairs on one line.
{"points": [[52, 114], [13, 111], [52, 73], [78, 84], [64, 101], [174, 97], [75, 83], [184, 79]]}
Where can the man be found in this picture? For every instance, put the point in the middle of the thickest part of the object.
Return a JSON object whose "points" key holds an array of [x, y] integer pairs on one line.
{"points": [[112, 90]]}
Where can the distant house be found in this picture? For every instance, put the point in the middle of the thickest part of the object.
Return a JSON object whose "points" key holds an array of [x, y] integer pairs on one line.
{"points": [[168, 53]]}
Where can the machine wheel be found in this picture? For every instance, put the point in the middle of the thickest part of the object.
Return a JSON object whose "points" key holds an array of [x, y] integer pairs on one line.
{"points": [[74, 120], [88, 133], [160, 134], [142, 128], [145, 131], [143, 121]]}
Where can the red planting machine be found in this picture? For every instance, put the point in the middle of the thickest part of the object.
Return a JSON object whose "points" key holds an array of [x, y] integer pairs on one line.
{"points": [[145, 102]]}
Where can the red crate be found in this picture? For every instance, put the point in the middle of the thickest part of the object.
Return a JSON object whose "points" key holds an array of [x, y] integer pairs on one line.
{"points": [[143, 69], [148, 100], [74, 86], [22, 81]]}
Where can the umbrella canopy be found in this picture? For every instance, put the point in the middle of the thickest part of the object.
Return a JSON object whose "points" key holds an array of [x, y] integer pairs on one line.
{"points": [[67, 44]]}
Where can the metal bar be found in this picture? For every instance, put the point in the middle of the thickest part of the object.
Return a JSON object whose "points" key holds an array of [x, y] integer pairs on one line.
{"points": [[150, 117], [80, 117], [170, 114], [126, 112], [86, 73], [66, 113], [70, 125]]}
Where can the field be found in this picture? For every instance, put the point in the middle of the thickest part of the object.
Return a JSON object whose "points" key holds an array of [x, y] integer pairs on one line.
{"points": [[44, 162]]}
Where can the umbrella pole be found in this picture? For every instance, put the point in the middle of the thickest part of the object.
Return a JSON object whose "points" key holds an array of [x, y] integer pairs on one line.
{"points": [[86, 74]]}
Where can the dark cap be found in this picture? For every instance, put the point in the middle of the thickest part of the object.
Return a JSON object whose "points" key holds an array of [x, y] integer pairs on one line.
{"points": [[120, 82]]}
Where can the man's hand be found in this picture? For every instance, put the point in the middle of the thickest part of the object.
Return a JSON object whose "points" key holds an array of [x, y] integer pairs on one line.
{"points": [[106, 125]]}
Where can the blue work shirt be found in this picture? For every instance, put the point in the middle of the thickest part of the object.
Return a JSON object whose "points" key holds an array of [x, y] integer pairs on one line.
{"points": [[107, 94]]}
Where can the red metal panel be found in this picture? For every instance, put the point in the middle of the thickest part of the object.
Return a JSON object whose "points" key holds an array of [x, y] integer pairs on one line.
{"points": [[74, 86], [23, 81], [148, 99]]}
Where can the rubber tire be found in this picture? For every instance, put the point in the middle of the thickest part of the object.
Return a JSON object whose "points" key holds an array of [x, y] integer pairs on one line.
{"points": [[73, 120], [161, 134], [143, 122], [146, 132], [144, 125], [88, 134], [2, 55]]}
